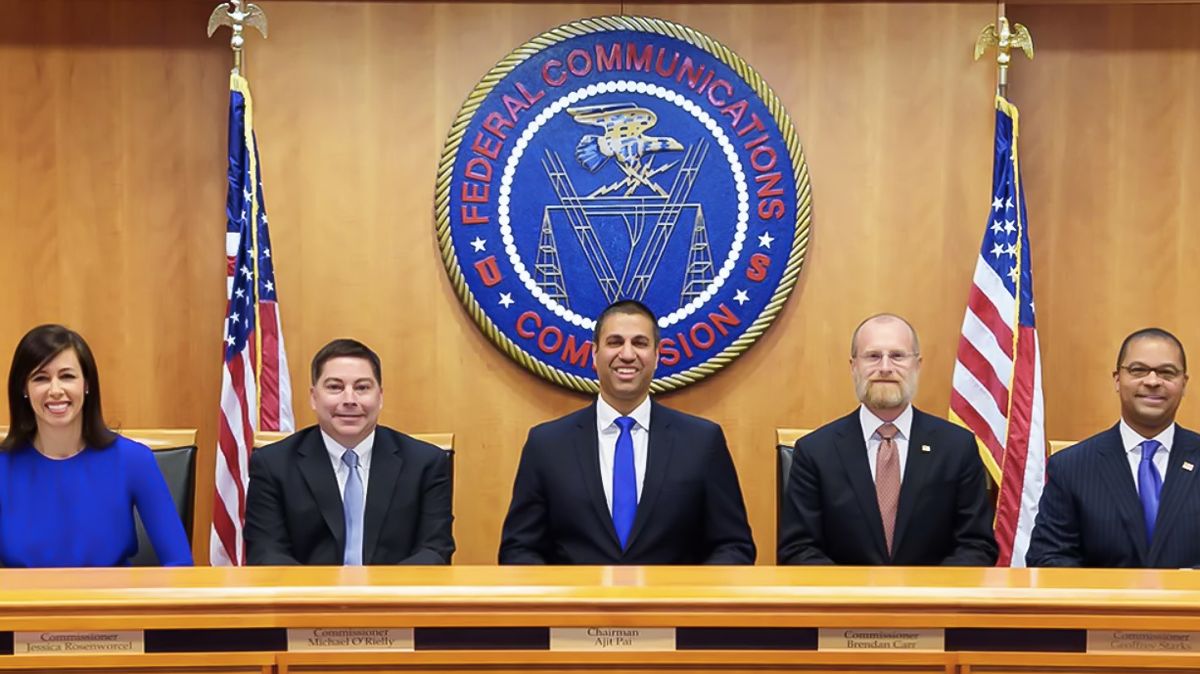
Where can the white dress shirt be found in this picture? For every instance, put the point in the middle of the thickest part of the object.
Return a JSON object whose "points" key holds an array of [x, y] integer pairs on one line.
{"points": [[870, 427], [341, 471], [1132, 440], [607, 430]]}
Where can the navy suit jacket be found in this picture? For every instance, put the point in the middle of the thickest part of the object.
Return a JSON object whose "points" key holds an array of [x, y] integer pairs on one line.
{"points": [[294, 511], [831, 514], [690, 511], [1090, 514]]}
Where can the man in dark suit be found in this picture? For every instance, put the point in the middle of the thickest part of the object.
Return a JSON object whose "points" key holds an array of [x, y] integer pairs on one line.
{"points": [[1128, 496], [626, 480], [348, 491], [887, 484]]}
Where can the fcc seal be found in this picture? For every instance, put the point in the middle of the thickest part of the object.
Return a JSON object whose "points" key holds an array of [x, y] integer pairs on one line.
{"points": [[622, 158]]}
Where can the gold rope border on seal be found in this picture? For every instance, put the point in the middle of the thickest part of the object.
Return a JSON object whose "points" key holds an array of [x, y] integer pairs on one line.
{"points": [[649, 25]]}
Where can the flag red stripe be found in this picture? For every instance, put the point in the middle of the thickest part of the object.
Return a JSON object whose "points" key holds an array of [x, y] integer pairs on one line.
{"points": [[222, 517], [978, 426], [987, 314], [1012, 483], [268, 385], [226, 531], [979, 366]]}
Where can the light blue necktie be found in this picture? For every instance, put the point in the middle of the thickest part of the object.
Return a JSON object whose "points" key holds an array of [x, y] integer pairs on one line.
{"points": [[1149, 486], [352, 506], [624, 482]]}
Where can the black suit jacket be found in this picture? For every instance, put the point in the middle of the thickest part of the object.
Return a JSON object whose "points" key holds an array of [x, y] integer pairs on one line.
{"points": [[690, 512], [831, 514], [1090, 514], [294, 511]]}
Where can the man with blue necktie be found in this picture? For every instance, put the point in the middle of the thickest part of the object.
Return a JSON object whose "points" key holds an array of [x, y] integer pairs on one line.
{"points": [[348, 491], [1128, 496], [626, 480]]}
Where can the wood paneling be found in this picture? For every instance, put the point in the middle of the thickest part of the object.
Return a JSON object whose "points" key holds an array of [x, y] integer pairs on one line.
{"points": [[112, 151]]}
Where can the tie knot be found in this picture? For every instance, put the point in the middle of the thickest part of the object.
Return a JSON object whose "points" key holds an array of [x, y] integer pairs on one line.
{"points": [[888, 431], [350, 458], [1149, 449], [625, 423]]}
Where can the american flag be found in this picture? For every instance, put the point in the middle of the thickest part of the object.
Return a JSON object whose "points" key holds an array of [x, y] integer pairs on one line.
{"points": [[997, 391], [256, 390]]}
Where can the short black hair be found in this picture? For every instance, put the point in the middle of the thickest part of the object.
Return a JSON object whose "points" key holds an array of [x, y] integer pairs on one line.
{"points": [[345, 348], [628, 307], [38, 347], [1151, 333]]}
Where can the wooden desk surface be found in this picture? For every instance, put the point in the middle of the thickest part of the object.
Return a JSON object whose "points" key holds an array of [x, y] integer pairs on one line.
{"points": [[556, 596]]}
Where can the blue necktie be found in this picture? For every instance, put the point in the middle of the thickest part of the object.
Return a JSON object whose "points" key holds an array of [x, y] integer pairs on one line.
{"points": [[1149, 486], [624, 483], [352, 506]]}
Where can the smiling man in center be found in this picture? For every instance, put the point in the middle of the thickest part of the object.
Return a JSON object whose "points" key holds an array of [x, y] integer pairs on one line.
{"points": [[626, 480], [348, 490]]}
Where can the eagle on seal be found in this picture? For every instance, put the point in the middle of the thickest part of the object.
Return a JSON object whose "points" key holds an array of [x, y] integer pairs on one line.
{"points": [[624, 136]]}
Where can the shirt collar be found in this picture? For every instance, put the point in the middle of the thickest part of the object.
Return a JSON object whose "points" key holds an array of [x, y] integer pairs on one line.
{"points": [[363, 450], [606, 416], [871, 423], [1132, 440]]}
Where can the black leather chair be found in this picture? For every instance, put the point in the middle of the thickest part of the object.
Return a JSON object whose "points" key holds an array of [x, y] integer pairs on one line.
{"points": [[178, 466], [785, 447]]}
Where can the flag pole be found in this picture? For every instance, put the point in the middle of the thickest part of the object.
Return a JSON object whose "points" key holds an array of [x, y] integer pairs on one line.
{"points": [[237, 14], [1004, 36]]}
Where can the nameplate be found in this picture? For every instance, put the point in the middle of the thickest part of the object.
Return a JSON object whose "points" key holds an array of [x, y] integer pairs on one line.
{"points": [[859, 639], [78, 643], [612, 639], [1121, 641], [350, 639]]}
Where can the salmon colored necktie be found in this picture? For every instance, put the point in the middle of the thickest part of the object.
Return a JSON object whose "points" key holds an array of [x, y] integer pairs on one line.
{"points": [[887, 481]]}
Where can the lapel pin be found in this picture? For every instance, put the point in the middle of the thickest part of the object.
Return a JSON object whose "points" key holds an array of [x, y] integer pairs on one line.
{"points": [[1187, 465], [925, 448]]}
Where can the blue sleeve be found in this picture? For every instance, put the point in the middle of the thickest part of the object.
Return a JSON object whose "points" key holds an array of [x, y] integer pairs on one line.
{"points": [[157, 510]]}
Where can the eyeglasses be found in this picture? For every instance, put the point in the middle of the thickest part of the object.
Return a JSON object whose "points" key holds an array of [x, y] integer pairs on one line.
{"points": [[1165, 373], [900, 358]]}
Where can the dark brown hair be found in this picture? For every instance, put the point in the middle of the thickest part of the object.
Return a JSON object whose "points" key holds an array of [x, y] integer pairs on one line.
{"points": [[345, 348], [38, 347]]}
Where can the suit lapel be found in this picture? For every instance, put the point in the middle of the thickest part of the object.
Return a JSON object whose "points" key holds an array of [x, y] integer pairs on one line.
{"points": [[587, 450], [916, 474], [318, 473], [381, 487], [658, 461], [1177, 487], [1113, 464], [853, 453]]}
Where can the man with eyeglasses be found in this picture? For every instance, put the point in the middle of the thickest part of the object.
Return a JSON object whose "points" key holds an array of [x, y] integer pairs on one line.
{"points": [[887, 484], [1127, 497]]}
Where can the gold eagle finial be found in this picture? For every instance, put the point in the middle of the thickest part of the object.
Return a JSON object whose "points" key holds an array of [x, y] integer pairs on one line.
{"points": [[237, 14], [1005, 39]]}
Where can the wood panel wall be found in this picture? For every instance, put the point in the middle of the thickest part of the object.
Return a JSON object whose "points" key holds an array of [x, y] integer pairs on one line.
{"points": [[112, 151]]}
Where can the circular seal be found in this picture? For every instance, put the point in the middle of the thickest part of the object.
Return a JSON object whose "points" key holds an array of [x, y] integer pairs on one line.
{"points": [[622, 158]]}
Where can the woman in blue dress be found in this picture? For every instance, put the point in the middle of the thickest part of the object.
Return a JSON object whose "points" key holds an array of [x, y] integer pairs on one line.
{"points": [[68, 484]]}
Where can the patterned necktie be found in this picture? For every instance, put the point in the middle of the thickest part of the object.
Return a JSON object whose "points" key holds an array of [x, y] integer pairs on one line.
{"points": [[352, 506], [624, 482], [887, 480], [1149, 486]]}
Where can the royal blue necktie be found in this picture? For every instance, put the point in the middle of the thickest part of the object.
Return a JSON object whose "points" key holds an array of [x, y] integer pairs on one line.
{"points": [[1149, 486], [352, 505], [624, 483]]}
